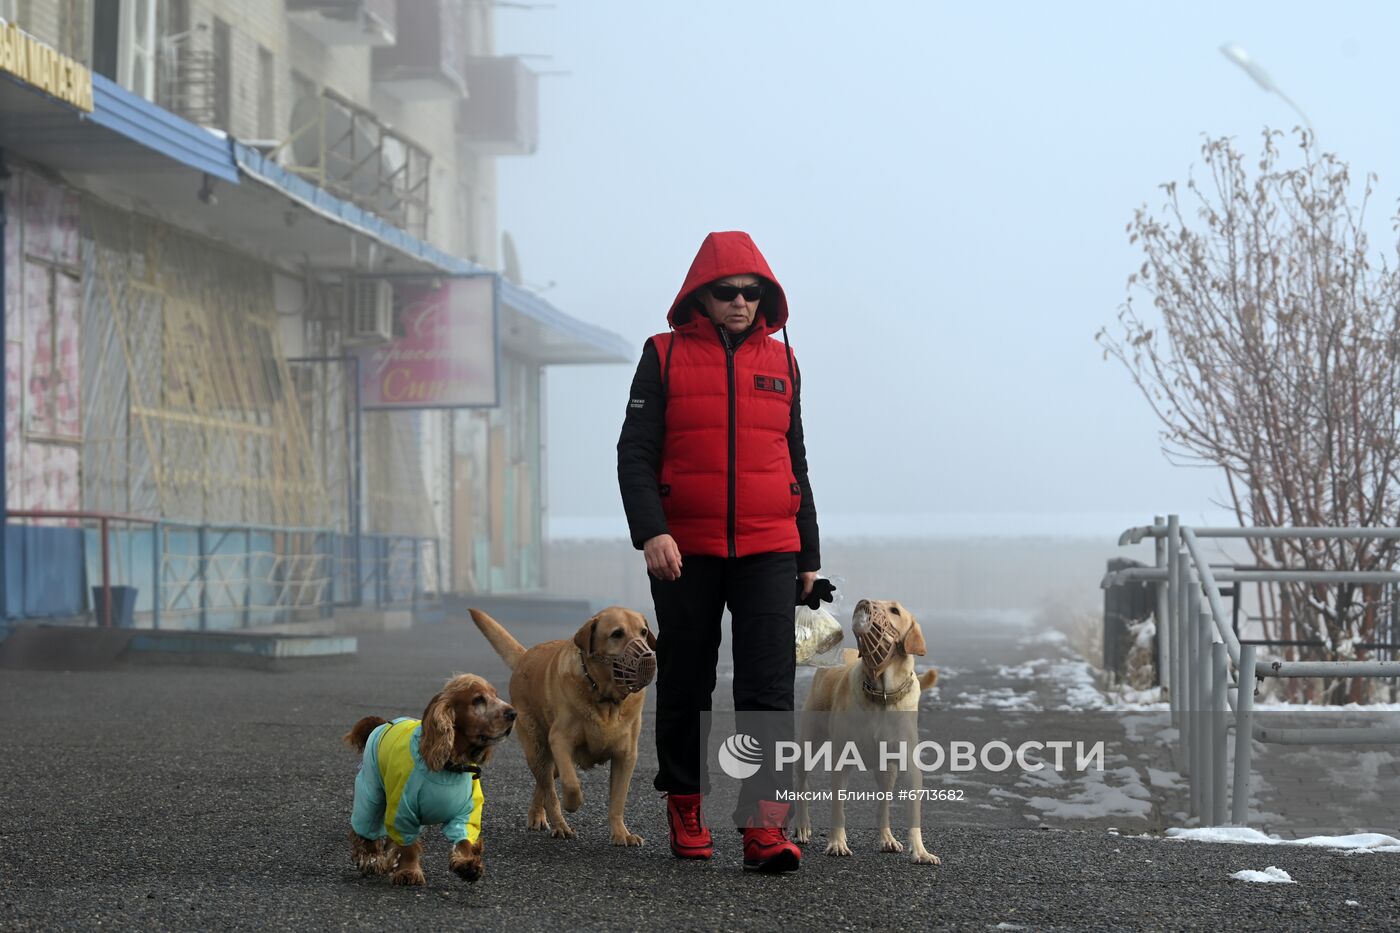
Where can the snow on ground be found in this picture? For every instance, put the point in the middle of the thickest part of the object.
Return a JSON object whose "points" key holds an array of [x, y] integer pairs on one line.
{"points": [[1243, 835], [1095, 797], [1268, 875], [998, 698]]}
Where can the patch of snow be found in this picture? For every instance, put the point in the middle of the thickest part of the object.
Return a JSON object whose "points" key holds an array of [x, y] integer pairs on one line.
{"points": [[1049, 636], [1168, 780], [998, 698], [1095, 798], [1268, 875], [1351, 903], [1356, 842]]}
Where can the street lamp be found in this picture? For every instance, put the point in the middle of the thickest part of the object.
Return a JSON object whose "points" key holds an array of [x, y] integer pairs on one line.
{"points": [[1261, 77]]}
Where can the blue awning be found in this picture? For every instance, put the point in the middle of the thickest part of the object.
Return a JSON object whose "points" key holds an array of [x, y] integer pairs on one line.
{"points": [[123, 134], [534, 328]]}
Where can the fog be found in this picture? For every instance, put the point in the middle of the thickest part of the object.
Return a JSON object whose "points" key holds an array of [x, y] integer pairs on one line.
{"points": [[942, 190]]}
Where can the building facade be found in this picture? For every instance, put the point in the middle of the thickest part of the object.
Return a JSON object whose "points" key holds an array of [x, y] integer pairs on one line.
{"points": [[207, 269]]}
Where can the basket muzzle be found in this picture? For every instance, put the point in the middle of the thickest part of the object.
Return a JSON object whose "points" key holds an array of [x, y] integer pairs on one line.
{"points": [[635, 666], [878, 640]]}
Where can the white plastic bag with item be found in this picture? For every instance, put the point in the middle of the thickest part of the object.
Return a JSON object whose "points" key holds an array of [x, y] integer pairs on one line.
{"points": [[819, 634]]}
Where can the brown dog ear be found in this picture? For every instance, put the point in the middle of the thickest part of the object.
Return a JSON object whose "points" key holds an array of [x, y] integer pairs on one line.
{"points": [[914, 641], [439, 734], [651, 639], [584, 637]]}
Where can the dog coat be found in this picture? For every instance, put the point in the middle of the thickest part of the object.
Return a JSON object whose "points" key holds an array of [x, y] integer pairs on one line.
{"points": [[396, 795]]}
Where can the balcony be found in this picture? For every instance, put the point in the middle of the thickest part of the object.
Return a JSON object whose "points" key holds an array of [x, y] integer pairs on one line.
{"points": [[344, 149], [347, 22], [500, 115], [428, 60]]}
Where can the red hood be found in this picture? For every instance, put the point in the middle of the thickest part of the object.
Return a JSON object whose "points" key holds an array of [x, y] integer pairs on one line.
{"points": [[725, 254]]}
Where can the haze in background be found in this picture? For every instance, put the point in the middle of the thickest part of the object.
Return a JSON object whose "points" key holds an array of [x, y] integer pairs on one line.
{"points": [[943, 190]]}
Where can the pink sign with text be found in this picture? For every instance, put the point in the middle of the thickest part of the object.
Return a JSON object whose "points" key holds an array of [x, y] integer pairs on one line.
{"points": [[443, 354]]}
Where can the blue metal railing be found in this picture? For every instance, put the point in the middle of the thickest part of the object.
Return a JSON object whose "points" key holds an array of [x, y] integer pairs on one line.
{"points": [[227, 576]]}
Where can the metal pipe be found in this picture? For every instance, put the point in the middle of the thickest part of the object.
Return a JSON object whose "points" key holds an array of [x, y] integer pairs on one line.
{"points": [[1328, 668], [1134, 535], [1220, 675], [1217, 611], [157, 571], [1364, 735], [1173, 613], [1193, 697], [1200, 724], [1152, 574], [1244, 733], [106, 577]]}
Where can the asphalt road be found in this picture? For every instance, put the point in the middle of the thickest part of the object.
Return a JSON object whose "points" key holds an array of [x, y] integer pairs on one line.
{"points": [[206, 798]]}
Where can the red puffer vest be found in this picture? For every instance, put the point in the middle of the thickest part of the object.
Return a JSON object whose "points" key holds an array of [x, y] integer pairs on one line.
{"points": [[726, 480]]}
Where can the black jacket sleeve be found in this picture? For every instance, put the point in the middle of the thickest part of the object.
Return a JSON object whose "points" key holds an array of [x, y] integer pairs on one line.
{"points": [[809, 558], [639, 450]]}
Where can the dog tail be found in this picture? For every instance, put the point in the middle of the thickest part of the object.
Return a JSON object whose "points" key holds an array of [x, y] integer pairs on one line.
{"points": [[928, 678], [504, 642], [359, 732]]}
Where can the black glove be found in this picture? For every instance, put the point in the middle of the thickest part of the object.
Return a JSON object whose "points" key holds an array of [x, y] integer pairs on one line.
{"points": [[822, 592]]}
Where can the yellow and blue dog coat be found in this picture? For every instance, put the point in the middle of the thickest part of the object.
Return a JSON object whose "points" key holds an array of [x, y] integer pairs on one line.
{"points": [[396, 795]]}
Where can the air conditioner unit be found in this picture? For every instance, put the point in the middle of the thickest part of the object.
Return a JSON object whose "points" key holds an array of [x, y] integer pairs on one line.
{"points": [[369, 310]]}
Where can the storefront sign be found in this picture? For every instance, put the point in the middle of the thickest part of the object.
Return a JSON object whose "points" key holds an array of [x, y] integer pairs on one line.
{"points": [[44, 67], [444, 354]]}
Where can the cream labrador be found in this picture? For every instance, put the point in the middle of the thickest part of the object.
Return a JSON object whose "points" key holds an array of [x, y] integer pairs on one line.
{"points": [[874, 698]]}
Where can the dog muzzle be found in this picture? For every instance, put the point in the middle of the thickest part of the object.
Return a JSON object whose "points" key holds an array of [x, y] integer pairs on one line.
{"points": [[877, 641], [635, 667]]}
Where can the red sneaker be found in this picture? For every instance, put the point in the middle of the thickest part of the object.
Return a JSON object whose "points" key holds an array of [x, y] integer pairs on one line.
{"points": [[766, 844], [690, 838]]}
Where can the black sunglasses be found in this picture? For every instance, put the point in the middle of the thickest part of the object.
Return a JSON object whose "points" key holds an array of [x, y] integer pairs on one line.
{"points": [[723, 292]]}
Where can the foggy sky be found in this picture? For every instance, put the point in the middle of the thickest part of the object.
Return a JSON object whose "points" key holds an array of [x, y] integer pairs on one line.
{"points": [[942, 190]]}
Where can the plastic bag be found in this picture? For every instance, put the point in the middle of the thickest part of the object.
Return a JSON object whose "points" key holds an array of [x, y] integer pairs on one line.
{"points": [[819, 638]]}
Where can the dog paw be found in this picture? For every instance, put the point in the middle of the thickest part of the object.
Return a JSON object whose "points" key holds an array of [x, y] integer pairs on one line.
{"points": [[572, 798], [838, 847], [626, 838], [562, 831], [890, 844], [537, 820], [926, 858], [802, 835], [412, 877], [469, 869]]}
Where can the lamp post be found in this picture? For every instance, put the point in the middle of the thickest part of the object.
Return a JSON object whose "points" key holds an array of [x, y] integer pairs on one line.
{"points": [[1261, 77]]}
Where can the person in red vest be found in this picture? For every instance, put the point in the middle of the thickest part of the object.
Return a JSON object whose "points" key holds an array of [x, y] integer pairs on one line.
{"points": [[713, 473]]}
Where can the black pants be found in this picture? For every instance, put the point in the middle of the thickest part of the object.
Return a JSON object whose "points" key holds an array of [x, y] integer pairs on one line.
{"points": [[689, 612]]}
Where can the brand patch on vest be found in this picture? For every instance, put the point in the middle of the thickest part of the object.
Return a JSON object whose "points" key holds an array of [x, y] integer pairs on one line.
{"points": [[796, 489], [770, 384]]}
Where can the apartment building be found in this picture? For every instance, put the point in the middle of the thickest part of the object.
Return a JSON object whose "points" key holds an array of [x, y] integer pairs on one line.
{"points": [[254, 292]]}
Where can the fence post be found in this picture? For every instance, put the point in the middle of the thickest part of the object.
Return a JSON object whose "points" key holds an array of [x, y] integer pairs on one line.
{"points": [[1174, 614], [1189, 634], [1220, 677], [203, 579], [106, 575], [157, 570], [1159, 605], [247, 577], [1205, 742], [1244, 735]]}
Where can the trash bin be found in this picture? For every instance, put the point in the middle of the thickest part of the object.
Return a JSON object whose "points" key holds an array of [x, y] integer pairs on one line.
{"points": [[123, 606]]}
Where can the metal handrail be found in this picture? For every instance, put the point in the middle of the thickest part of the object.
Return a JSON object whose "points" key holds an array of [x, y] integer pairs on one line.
{"points": [[104, 519], [1202, 661]]}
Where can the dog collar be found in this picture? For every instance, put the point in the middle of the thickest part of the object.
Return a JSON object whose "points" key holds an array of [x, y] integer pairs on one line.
{"points": [[876, 692], [583, 662], [462, 769]]}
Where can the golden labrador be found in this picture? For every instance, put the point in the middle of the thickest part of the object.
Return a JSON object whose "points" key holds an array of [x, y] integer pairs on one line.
{"points": [[852, 703], [579, 704]]}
